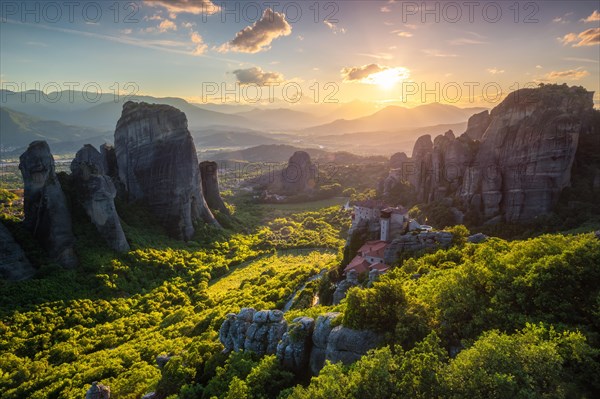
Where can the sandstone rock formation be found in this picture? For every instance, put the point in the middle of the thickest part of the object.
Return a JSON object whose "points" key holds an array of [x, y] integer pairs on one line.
{"points": [[98, 391], [526, 153], [299, 175], [46, 212], [300, 346], [210, 186], [96, 192], [157, 164], [350, 281], [259, 332], [293, 350], [510, 165], [14, 265]]}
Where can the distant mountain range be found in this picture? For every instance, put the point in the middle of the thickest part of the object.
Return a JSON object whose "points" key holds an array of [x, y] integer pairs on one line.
{"points": [[66, 118], [395, 118], [18, 130]]}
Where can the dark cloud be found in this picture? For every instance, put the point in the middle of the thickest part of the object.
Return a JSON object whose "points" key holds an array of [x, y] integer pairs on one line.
{"points": [[257, 76], [258, 36]]}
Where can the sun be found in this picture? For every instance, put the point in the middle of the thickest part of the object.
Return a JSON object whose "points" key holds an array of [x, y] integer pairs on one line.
{"points": [[388, 78]]}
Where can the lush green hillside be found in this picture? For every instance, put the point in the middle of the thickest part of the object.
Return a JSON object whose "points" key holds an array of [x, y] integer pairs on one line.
{"points": [[498, 319], [110, 319]]}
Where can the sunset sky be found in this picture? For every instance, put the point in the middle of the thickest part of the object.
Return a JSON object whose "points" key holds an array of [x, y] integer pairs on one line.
{"points": [[380, 51]]}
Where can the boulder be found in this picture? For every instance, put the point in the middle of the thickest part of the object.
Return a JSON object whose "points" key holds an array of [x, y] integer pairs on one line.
{"points": [[98, 391], [341, 290], [210, 186], [14, 265], [477, 238], [96, 192], [162, 360], [157, 164], [45, 205]]}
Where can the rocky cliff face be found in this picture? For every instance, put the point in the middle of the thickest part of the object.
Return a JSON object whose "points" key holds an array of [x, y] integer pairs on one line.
{"points": [[157, 164], [294, 348], [14, 265], [477, 125], [96, 192], [46, 212], [209, 174], [510, 165]]}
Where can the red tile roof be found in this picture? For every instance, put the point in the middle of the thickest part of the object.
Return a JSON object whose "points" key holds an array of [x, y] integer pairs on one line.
{"points": [[375, 249], [359, 264]]}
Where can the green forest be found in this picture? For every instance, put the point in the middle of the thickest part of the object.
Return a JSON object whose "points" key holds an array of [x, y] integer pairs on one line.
{"points": [[492, 320]]}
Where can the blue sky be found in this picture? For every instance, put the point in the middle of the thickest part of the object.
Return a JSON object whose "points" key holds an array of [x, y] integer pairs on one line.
{"points": [[381, 51]]}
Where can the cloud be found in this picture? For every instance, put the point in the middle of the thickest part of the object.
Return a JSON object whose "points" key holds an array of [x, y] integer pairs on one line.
{"points": [[385, 9], [372, 73], [594, 17], [258, 36], [167, 25], [257, 76], [589, 37], [563, 19], [495, 71], [402, 33], [437, 53], [188, 25], [378, 56], [464, 41], [571, 74], [578, 59], [334, 28], [360, 73], [36, 44], [200, 46], [175, 7], [538, 67]]}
